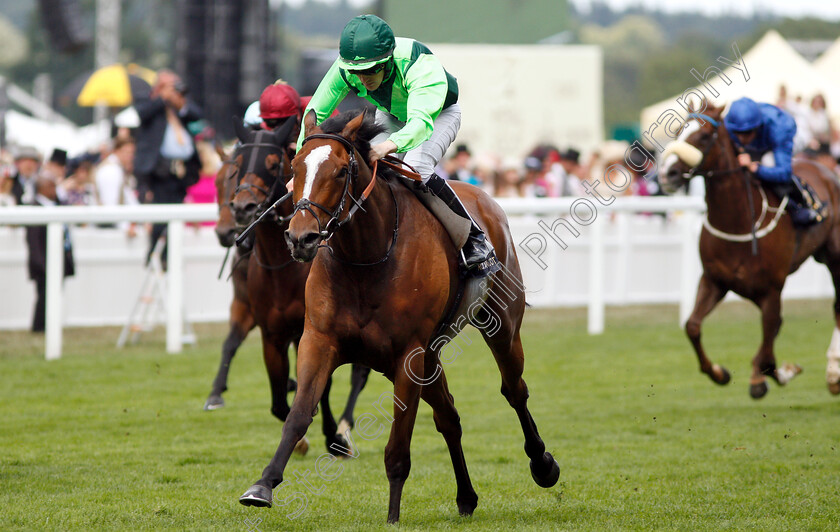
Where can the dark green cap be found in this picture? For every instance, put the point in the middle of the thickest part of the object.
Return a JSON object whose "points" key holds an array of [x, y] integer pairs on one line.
{"points": [[366, 40]]}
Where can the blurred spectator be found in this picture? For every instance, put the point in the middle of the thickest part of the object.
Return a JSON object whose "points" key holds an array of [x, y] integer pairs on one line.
{"points": [[534, 184], [572, 173], [484, 170], [819, 125], [78, 188], [7, 169], [56, 165], [460, 169], [27, 164], [166, 162], [509, 180], [114, 180], [36, 241], [113, 175]]}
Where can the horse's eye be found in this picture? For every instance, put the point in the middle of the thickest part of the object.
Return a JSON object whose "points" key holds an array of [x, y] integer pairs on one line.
{"points": [[342, 173]]}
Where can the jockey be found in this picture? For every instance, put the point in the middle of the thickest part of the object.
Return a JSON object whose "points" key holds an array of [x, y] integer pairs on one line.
{"points": [[416, 99], [278, 103], [765, 132]]}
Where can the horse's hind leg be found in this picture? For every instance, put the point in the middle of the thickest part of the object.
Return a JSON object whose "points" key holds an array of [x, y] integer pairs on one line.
{"points": [[709, 295], [507, 350], [241, 323], [764, 362], [448, 423], [358, 379], [328, 424], [832, 370]]}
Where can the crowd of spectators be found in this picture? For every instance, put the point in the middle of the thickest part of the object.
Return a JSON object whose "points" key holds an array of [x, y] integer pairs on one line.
{"points": [[547, 171]]}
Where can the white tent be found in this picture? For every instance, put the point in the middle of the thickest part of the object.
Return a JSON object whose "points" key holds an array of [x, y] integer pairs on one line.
{"points": [[828, 65], [23, 130], [771, 63]]}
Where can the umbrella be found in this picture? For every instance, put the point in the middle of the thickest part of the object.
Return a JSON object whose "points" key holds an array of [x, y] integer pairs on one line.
{"points": [[113, 86]]}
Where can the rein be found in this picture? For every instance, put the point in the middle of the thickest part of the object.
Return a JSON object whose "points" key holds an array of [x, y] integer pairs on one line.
{"points": [[756, 233]]}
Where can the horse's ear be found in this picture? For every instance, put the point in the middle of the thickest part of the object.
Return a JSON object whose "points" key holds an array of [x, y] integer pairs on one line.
{"points": [[240, 129], [352, 127], [310, 122], [282, 133]]}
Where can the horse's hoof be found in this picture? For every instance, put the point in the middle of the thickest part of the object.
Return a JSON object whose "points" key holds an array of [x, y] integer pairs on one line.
{"points": [[214, 402], [467, 504], [545, 478], [757, 391], [339, 440], [258, 496], [787, 372], [291, 385], [302, 446], [720, 375], [834, 388]]}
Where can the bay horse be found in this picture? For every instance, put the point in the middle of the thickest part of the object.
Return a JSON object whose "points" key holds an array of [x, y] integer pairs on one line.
{"points": [[273, 282], [241, 319], [733, 226], [379, 292]]}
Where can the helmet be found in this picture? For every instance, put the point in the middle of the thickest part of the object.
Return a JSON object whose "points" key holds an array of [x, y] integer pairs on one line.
{"points": [[252, 115], [279, 101], [744, 115], [366, 41]]}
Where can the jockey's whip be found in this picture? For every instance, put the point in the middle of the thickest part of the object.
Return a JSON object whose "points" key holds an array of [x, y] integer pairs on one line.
{"points": [[754, 242]]}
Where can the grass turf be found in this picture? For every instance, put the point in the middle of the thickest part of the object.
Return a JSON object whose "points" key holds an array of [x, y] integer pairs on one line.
{"points": [[116, 439]]}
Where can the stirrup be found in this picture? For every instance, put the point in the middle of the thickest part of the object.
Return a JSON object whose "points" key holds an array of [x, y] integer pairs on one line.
{"points": [[481, 262]]}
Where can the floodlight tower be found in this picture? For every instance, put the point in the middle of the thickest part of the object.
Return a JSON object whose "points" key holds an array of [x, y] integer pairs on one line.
{"points": [[107, 50]]}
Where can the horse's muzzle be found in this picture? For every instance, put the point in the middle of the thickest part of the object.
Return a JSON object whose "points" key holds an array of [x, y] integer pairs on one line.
{"points": [[244, 214], [226, 235], [305, 248]]}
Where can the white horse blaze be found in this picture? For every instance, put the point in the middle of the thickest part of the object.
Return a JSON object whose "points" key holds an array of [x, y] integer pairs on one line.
{"points": [[313, 163], [832, 370]]}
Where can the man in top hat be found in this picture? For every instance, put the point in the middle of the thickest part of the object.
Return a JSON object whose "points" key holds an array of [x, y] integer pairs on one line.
{"points": [[56, 165], [27, 164]]}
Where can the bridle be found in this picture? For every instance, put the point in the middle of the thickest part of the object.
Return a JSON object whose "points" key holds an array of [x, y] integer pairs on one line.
{"points": [[327, 230], [267, 203], [693, 172]]}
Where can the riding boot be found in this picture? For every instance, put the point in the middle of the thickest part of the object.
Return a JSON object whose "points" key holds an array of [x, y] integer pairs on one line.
{"points": [[801, 214], [477, 254]]}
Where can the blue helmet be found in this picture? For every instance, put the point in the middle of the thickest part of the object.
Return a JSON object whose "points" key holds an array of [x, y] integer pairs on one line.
{"points": [[744, 115]]}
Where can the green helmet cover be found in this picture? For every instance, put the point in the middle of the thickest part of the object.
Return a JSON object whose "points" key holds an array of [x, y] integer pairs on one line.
{"points": [[366, 40]]}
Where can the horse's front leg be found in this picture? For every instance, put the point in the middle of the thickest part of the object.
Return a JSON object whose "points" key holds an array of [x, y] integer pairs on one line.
{"points": [[317, 359], [709, 295], [764, 362], [398, 450]]}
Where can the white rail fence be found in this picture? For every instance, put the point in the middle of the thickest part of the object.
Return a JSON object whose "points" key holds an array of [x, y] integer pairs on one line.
{"points": [[573, 252]]}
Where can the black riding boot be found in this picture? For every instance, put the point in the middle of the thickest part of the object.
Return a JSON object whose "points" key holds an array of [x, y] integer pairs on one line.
{"points": [[478, 256], [801, 213]]}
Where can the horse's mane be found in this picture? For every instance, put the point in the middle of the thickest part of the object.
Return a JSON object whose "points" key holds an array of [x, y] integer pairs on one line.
{"points": [[365, 133]]}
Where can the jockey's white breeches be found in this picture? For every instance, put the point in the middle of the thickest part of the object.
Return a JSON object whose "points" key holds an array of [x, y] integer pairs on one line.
{"points": [[425, 157]]}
